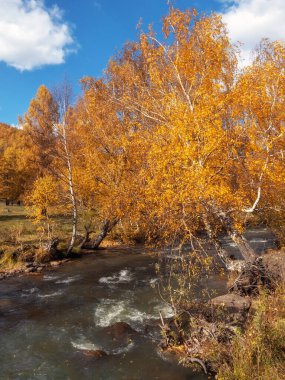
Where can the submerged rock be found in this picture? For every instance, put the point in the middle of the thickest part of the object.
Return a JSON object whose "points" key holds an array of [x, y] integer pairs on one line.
{"points": [[120, 330], [152, 328], [5, 302], [95, 354], [170, 355]]}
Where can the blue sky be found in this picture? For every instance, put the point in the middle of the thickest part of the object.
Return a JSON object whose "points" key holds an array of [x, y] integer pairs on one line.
{"points": [[93, 31]]}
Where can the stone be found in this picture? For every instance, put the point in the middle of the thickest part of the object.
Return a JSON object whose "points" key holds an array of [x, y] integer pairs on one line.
{"points": [[119, 330], [232, 302], [274, 263], [95, 354], [30, 270], [29, 265], [55, 263]]}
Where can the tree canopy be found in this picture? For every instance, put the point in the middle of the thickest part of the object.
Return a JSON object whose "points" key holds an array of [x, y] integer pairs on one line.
{"points": [[172, 140]]}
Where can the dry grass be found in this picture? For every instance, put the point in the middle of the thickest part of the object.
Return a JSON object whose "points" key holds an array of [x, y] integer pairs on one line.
{"points": [[259, 352], [17, 230]]}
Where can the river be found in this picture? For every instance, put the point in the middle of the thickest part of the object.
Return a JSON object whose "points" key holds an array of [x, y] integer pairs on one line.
{"points": [[48, 322]]}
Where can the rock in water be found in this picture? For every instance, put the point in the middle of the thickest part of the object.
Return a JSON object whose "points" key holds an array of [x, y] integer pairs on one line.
{"points": [[120, 330], [55, 263], [95, 354]]}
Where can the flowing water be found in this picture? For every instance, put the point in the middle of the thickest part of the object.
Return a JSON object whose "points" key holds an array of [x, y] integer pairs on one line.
{"points": [[50, 321]]}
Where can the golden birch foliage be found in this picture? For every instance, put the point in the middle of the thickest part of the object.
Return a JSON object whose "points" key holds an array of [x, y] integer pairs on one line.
{"points": [[173, 132], [16, 170], [45, 202], [39, 125], [260, 104], [176, 94], [263, 108], [106, 175]]}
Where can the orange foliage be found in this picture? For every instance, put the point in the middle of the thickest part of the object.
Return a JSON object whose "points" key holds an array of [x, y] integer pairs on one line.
{"points": [[174, 137]]}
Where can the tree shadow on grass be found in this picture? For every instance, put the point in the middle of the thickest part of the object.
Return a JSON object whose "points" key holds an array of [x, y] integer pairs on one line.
{"points": [[7, 218]]}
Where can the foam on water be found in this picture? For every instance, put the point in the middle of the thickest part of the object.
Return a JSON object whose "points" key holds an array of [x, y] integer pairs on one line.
{"points": [[28, 292], [122, 350], [258, 240], [110, 311], [68, 280], [54, 294], [84, 345], [124, 276], [50, 277], [150, 281], [164, 309]]}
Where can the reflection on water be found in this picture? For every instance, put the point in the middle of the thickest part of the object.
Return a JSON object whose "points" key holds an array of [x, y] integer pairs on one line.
{"points": [[49, 322]]}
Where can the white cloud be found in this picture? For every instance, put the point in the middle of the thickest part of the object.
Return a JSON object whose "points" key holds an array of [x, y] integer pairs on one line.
{"points": [[32, 35], [251, 20]]}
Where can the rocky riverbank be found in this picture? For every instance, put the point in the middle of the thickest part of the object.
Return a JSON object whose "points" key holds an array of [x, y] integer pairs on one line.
{"points": [[32, 268], [196, 336], [25, 260]]}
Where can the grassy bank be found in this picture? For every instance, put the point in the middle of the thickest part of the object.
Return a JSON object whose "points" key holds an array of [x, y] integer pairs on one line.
{"points": [[239, 335], [256, 350], [259, 352], [17, 227], [17, 230]]}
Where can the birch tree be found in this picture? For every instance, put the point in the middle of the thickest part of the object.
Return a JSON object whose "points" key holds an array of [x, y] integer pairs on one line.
{"points": [[63, 94]]}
